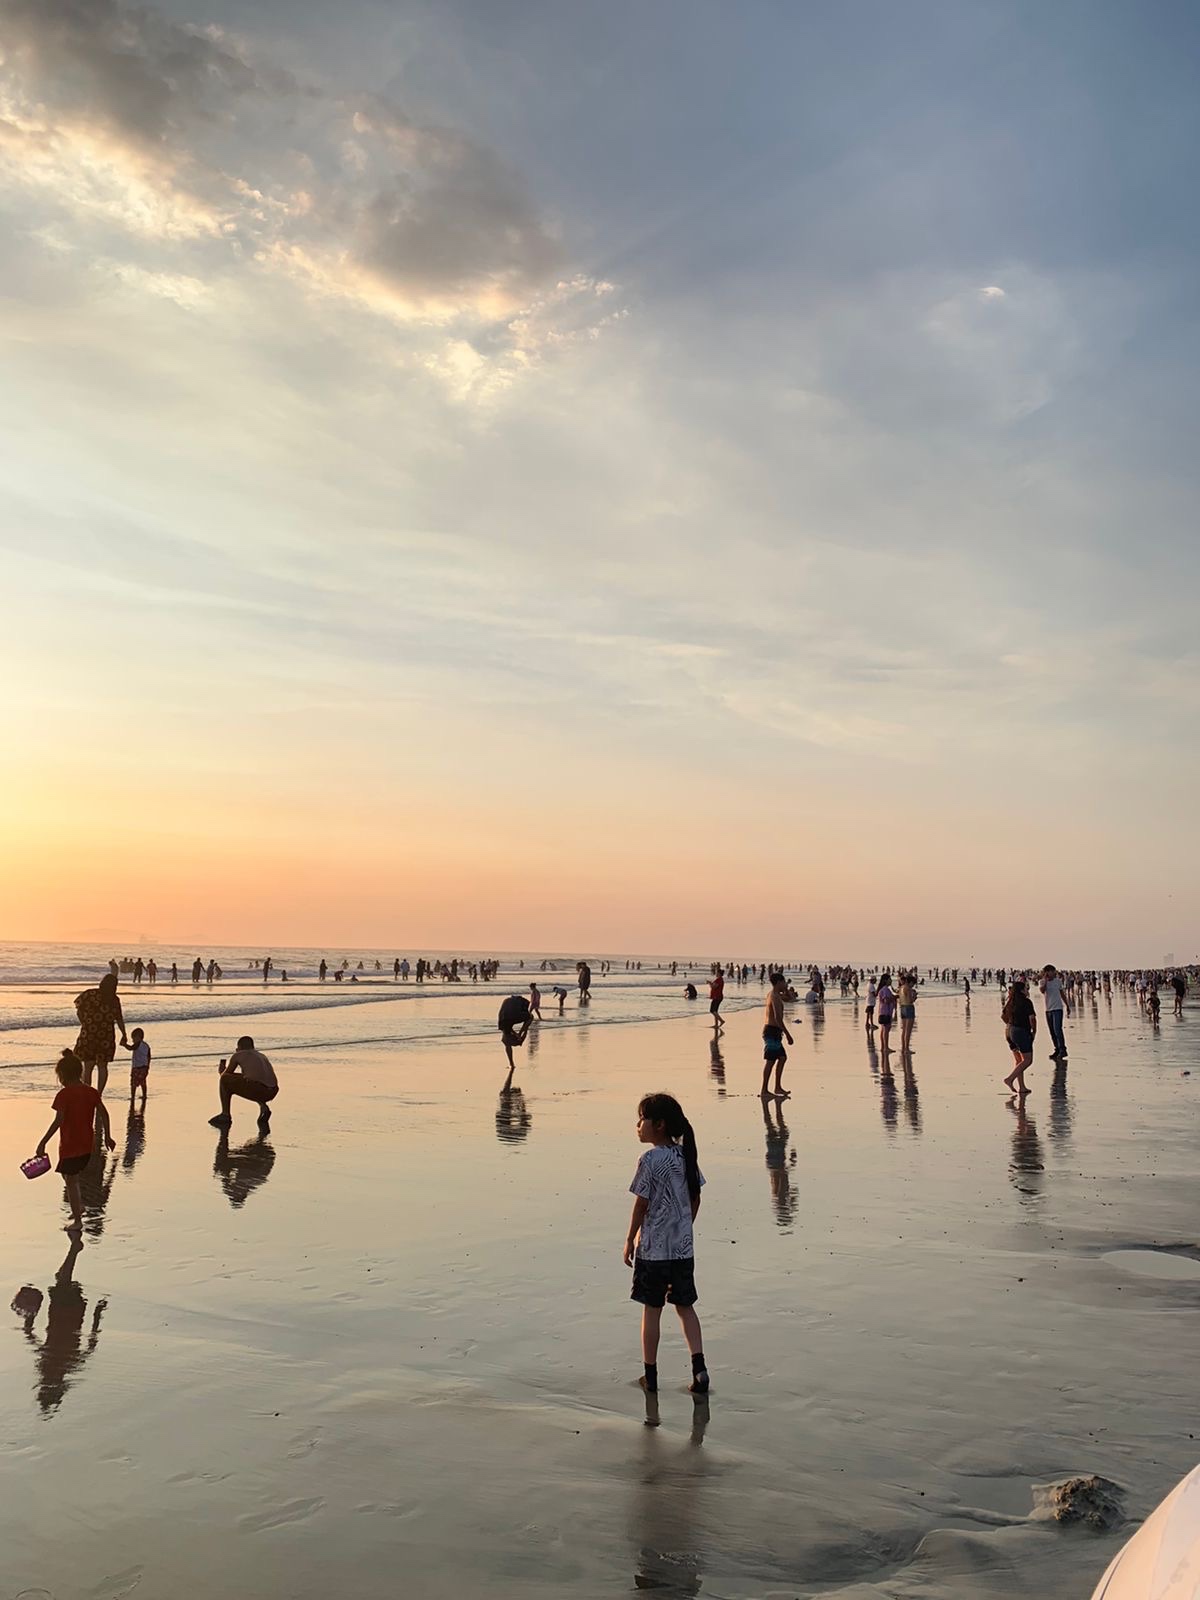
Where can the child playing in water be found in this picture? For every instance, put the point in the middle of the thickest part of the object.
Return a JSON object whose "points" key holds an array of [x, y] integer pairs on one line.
{"points": [[139, 1065], [77, 1108], [659, 1245]]}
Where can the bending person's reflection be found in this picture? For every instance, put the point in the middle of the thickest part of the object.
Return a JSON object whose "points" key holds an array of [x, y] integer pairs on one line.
{"points": [[135, 1140], [62, 1350], [716, 1064], [663, 1514], [245, 1169], [783, 1195], [1026, 1166], [513, 1117]]}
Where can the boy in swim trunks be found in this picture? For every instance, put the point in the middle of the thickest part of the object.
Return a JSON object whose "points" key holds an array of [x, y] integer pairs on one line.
{"points": [[774, 1033]]}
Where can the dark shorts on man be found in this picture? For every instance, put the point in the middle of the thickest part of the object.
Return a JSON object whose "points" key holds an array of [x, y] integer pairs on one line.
{"points": [[72, 1166], [656, 1282], [251, 1089], [773, 1043]]}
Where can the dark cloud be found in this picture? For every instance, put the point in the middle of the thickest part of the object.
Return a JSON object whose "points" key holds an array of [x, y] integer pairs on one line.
{"points": [[452, 217], [123, 66]]}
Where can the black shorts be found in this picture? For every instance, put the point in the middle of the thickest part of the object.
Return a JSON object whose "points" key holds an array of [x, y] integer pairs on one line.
{"points": [[1020, 1039], [252, 1089], [72, 1166], [656, 1282], [714, 1006], [773, 1043]]}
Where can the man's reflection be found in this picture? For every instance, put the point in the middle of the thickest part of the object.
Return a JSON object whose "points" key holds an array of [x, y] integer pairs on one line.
{"points": [[664, 1512], [513, 1117], [783, 1195], [1026, 1167], [1061, 1108], [135, 1140], [62, 1351], [716, 1065], [245, 1169], [816, 1016]]}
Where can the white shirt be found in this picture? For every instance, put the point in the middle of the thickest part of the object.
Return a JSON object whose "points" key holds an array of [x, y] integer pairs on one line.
{"points": [[1052, 989], [661, 1180], [140, 1057]]}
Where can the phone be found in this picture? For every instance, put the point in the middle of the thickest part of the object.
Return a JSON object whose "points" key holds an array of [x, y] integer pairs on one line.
{"points": [[221, 1068]]}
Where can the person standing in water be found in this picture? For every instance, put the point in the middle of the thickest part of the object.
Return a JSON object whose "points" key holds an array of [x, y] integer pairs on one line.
{"points": [[872, 991], [908, 1010], [100, 1015], [887, 1011], [513, 1020], [659, 1246], [1052, 990], [716, 993], [585, 983], [774, 1033]]}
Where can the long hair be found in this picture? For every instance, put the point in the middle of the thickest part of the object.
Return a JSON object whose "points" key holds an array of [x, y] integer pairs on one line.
{"points": [[666, 1109]]}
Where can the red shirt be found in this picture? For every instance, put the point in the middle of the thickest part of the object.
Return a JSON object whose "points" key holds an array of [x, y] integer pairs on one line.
{"points": [[77, 1104], [716, 989]]}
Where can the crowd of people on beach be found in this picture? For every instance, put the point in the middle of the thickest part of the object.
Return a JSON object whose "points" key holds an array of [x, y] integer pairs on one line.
{"points": [[668, 1182]]}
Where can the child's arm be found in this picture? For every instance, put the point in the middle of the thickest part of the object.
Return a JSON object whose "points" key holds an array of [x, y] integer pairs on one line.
{"points": [[102, 1114], [125, 1045], [640, 1207], [49, 1134]]}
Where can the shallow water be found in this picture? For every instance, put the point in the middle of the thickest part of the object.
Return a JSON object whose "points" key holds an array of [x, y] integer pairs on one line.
{"points": [[389, 1346]]}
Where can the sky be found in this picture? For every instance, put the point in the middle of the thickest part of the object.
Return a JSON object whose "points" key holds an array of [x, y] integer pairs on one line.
{"points": [[498, 474]]}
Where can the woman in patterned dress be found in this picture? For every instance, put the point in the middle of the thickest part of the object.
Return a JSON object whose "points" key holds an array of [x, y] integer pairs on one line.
{"points": [[99, 1013]]}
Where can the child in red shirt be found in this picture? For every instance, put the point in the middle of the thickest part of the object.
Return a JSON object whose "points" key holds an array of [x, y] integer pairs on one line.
{"points": [[77, 1107]]}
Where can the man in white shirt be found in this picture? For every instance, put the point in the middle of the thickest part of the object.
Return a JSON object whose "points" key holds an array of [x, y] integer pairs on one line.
{"points": [[249, 1074], [1052, 989]]}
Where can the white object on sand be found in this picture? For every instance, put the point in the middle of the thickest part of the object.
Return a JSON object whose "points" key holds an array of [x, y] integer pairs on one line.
{"points": [[1162, 1560]]}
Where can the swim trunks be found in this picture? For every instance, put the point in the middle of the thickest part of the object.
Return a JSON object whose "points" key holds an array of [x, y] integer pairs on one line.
{"points": [[772, 1043]]}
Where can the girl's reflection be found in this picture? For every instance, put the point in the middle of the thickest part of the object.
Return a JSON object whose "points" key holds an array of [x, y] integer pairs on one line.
{"points": [[62, 1350]]}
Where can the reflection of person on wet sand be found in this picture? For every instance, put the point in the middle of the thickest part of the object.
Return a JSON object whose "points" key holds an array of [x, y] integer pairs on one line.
{"points": [[95, 1189], [135, 1140], [61, 1352], [888, 1103], [1026, 1161], [716, 1064], [1060, 1106], [783, 1196], [664, 1514], [243, 1170], [513, 1117], [912, 1103]]}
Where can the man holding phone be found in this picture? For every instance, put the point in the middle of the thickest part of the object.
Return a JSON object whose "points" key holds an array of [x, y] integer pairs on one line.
{"points": [[249, 1074]]}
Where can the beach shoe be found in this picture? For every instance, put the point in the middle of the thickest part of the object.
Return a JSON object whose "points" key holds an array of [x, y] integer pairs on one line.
{"points": [[699, 1383], [220, 1122]]}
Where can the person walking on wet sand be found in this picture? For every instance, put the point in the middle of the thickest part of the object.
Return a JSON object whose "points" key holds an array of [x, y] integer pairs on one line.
{"points": [[666, 1189], [716, 993], [249, 1075], [774, 1033], [100, 1015], [535, 1001], [1020, 1026], [77, 1110], [513, 1020]]}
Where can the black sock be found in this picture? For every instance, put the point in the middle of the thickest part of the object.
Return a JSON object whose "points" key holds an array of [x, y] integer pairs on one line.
{"points": [[651, 1379], [698, 1363]]}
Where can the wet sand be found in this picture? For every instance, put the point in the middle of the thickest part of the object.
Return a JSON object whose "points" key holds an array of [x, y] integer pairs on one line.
{"points": [[389, 1348]]}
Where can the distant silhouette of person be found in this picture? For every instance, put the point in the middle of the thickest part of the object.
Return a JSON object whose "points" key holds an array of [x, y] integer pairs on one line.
{"points": [[62, 1351], [197, 970], [100, 1015], [513, 1020], [585, 983], [513, 1117], [243, 1170], [322, 969]]}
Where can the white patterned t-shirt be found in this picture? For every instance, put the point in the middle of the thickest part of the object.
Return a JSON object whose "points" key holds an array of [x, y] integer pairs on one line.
{"points": [[661, 1180]]}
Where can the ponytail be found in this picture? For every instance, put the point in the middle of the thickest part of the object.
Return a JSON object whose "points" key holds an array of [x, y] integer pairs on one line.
{"points": [[666, 1109], [69, 1067]]}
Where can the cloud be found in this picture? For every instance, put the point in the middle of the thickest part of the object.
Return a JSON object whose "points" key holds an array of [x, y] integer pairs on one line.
{"points": [[121, 121]]}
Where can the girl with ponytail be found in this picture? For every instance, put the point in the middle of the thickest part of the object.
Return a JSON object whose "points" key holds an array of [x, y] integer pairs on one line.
{"points": [[659, 1246]]}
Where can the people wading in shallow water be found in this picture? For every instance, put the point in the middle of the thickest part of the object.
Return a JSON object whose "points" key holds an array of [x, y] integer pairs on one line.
{"points": [[1020, 1026], [99, 1013]]}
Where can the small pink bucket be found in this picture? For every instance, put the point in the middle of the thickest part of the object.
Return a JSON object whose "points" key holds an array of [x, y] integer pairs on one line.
{"points": [[35, 1166]]}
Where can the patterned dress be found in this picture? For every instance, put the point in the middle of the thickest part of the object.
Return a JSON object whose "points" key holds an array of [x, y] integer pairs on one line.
{"points": [[97, 1041]]}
